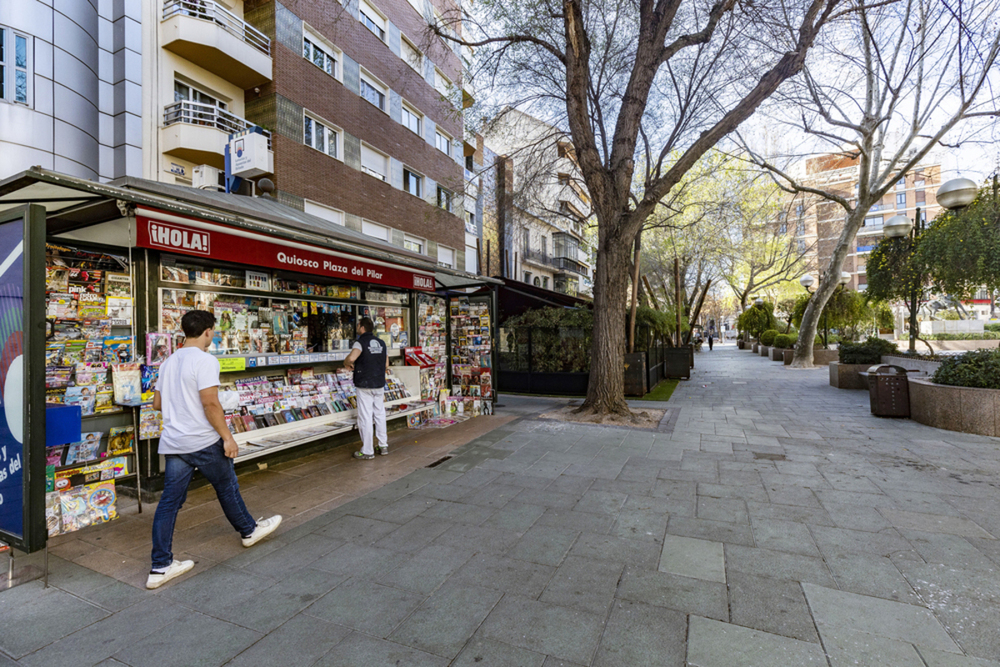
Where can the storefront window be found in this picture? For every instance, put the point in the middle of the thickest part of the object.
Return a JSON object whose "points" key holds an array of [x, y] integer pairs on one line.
{"points": [[391, 324]]}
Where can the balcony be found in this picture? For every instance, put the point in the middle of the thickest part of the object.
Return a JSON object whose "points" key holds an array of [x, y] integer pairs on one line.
{"points": [[210, 36], [540, 258], [199, 133], [571, 265]]}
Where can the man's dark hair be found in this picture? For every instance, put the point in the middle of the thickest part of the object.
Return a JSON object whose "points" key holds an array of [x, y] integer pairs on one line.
{"points": [[195, 322], [367, 323]]}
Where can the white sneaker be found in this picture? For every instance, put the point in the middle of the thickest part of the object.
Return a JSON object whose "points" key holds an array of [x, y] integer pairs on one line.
{"points": [[176, 569], [264, 528]]}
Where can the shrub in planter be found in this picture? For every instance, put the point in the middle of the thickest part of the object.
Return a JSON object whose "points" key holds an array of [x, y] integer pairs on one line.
{"points": [[767, 338], [784, 341], [973, 369], [868, 352]]}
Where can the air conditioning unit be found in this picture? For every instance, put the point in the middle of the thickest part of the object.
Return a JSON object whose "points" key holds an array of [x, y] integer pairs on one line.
{"points": [[207, 177]]}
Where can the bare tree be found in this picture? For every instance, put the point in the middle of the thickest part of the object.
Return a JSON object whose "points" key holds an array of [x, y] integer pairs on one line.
{"points": [[894, 82], [637, 82]]}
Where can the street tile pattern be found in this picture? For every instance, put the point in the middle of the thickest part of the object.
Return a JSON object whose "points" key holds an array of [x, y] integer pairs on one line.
{"points": [[776, 523]]}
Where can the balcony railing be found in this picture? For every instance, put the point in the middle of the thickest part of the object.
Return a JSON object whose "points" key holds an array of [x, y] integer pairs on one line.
{"points": [[539, 257], [209, 10], [206, 115], [568, 264]]}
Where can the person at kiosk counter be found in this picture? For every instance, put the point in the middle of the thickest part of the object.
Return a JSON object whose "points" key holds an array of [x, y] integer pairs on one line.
{"points": [[369, 360], [195, 436]]}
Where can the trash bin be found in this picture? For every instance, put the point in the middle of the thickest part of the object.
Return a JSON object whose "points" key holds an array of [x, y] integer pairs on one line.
{"points": [[889, 391]]}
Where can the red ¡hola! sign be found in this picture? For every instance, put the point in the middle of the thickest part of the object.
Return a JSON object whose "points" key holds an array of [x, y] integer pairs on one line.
{"points": [[258, 250]]}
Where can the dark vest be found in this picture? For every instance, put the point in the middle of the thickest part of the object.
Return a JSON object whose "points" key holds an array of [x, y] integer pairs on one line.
{"points": [[369, 368]]}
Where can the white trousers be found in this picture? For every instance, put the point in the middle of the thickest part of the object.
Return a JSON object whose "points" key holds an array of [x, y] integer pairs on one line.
{"points": [[371, 408]]}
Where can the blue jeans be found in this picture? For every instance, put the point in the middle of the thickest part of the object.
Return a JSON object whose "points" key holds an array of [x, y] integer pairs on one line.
{"points": [[218, 469]]}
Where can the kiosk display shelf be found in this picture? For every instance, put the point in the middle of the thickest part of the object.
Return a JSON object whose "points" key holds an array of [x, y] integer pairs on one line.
{"points": [[471, 348], [90, 362]]}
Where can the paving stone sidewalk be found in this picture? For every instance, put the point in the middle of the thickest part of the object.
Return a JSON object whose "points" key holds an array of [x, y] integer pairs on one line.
{"points": [[777, 523]]}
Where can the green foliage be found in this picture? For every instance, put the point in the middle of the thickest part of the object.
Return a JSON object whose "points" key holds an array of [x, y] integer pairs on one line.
{"points": [[962, 247], [757, 319], [986, 335], [892, 267], [784, 341], [972, 369], [868, 352], [850, 312], [992, 327], [767, 337]]}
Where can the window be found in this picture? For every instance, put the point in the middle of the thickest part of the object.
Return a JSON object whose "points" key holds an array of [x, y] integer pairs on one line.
{"points": [[375, 230], [544, 245], [800, 229], [413, 183], [469, 165], [545, 282], [471, 253], [783, 228], [446, 256], [411, 118], [186, 93], [470, 223], [413, 244], [525, 240], [374, 163], [321, 56], [325, 212], [901, 200], [537, 282], [444, 198], [372, 20], [801, 245], [800, 210], [373, 91], [921, 196], [441, 83], [13, 66], [443, 143], [919, 183], [323, 138], [527, 277], [873, 221], [901, 184], [411, 56]]}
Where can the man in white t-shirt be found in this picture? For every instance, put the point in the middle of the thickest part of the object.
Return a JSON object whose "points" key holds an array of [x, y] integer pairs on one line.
{"points": [[195, 435]]}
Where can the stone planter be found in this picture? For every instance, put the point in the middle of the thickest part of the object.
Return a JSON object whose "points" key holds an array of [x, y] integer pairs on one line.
{"points": [[756, 348], [963, 409], [845, 376], [739, 345], [788, 356], [764, 350], [823, 357], [778, 354]]}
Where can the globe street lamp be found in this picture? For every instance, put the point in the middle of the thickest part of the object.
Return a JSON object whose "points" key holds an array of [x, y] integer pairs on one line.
{"points": [[954, 194], [758, 301]]}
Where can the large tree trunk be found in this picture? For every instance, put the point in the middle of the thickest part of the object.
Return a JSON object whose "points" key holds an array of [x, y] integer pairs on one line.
{"points": [[827, 286], [606, 389]]}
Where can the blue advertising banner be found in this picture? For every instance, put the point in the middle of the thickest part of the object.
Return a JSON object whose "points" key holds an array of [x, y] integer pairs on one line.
{"points": [[12, 458], [22, 401]]}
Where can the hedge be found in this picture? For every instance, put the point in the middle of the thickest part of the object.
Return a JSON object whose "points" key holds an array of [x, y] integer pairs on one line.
{"points": [[980, 368], [784, 341], [868, 352], [767, 338]]}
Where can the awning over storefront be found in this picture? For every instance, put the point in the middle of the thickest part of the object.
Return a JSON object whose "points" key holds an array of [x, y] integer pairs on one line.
{"points": [[257, 229], [516, 297]]}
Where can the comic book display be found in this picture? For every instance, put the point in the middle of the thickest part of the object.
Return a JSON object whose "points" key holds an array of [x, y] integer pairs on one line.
{"points": [[88, 318], [471, 358]]}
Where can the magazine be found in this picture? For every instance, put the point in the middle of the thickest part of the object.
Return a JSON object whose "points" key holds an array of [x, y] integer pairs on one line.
{"points": [[90, 305], [158, 348], [118, 349], [127, 379], [84, 397], [87, 449], [119, 310], [61, 306], [118, 285], [150, 422], [56, 279], [53, 513]]}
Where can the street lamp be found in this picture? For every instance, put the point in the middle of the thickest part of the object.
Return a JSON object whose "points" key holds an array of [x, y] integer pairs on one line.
{"points": [[758, 301], [954, 194]]}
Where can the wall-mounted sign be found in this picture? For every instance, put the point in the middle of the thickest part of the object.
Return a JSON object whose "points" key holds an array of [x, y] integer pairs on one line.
{"points": [[248, 152], [224, 244]]}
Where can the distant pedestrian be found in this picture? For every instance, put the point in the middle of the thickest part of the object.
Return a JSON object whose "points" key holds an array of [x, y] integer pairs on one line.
{"points": [[711, 336], [195, 435], [369, 361]]}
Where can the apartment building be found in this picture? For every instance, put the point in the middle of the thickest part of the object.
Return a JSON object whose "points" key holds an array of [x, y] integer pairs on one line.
{"points": [[815, 225], [546, 207], [70, 87], [361, 107]]}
